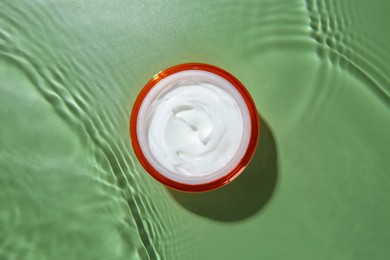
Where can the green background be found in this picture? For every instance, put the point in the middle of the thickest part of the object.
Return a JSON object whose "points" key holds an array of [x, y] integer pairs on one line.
{"points": [[71, 187]]}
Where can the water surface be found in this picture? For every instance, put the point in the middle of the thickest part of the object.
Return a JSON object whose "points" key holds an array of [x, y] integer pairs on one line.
{"points": [[71, 187]]}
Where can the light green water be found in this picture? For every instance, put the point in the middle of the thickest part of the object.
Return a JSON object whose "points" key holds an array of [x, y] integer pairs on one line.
{"points": [[71, 187]]}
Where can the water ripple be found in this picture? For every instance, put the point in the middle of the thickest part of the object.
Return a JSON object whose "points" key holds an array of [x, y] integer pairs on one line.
{"points": [[267, 25], [80, 92], [330, 22]]}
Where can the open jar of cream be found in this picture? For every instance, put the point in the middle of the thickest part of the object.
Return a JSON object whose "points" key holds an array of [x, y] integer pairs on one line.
{"points": [[194, 127]]}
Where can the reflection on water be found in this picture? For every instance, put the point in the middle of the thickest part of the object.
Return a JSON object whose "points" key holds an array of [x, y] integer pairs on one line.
{"points": [[71, 187]]}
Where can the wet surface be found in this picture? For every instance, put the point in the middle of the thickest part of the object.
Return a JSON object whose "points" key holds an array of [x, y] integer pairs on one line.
{"points": [[72, 188]]}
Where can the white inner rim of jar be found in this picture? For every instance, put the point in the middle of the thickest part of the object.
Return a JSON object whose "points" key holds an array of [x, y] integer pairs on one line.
{"points": [[147, 127]]}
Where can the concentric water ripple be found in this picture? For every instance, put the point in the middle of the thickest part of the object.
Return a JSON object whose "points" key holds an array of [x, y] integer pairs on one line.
{"points": [[331, 25], [71, 187]]}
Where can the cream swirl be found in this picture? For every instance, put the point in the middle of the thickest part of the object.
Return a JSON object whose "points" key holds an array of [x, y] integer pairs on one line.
{"points": [[196, 128], [193, 126]]}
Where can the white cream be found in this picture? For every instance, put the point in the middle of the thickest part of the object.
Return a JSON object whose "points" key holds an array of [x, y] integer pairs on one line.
{"points": [[193, 126]]}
